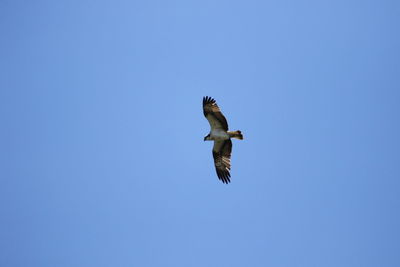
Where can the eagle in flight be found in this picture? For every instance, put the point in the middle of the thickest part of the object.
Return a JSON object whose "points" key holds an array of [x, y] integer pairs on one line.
{"points": [[222, 138]]}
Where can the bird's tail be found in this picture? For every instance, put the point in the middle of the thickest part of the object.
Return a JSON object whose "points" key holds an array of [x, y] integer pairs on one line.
{"points": [[236, 134]]}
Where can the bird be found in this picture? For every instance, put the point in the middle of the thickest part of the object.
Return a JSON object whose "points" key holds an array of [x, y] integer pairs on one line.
{"points": [[222, 138]]}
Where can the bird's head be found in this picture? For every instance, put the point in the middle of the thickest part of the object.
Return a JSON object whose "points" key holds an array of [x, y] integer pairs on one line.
{"points": [[207, 137]]}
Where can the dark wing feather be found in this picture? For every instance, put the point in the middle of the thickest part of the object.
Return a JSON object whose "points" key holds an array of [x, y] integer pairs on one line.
{"points": [[222, 159], [213, 114]]}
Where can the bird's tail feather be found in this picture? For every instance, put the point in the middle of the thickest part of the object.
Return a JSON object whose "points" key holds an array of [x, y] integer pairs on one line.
{"points": [[236, 134]]}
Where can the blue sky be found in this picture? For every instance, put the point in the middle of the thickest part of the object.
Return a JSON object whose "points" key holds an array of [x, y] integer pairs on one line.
{"points": [[102, 155]]}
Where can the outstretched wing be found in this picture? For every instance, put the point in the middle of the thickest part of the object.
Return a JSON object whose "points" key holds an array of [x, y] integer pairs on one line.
{"points": [[213, 114], [222, 159]]}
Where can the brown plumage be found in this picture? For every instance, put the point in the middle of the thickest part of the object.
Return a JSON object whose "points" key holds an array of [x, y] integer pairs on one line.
{"points": [[222, 138], [213, 114], [222, 159]]}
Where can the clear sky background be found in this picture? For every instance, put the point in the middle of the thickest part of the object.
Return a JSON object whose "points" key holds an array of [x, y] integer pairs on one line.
{"points": [[102, 155]]}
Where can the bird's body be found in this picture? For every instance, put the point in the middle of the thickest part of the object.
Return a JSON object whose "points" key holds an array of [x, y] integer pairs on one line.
{"points": [[219, 135], [222, 138]]}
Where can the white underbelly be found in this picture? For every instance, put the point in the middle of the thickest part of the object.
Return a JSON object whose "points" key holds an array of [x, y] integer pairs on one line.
{"points": [[219, 135]]}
